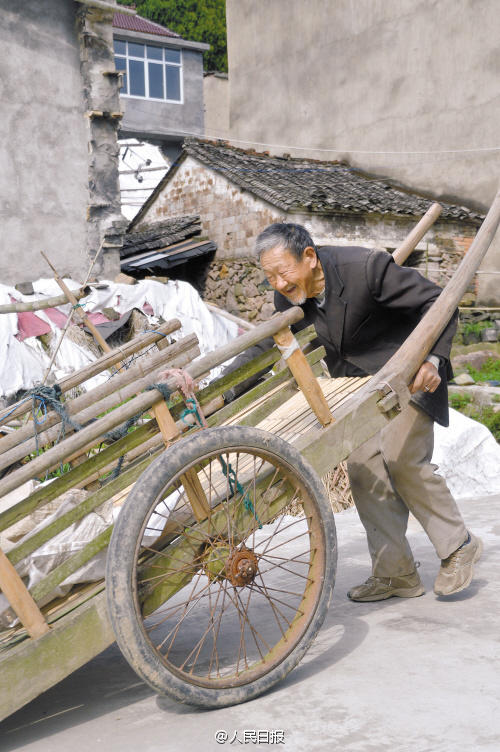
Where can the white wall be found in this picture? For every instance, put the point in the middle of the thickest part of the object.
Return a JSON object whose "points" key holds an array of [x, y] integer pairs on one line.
{"points": [[418, 78]]}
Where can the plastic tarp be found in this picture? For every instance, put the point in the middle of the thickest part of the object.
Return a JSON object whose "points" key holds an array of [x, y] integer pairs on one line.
{"points": [[24, 361], [468, 456]]}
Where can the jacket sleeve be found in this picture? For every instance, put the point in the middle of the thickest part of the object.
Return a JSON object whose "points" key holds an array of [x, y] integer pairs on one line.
{"points": [[405, 289]]}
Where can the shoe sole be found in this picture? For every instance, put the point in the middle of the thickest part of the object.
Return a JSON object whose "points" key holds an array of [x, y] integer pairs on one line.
{"points": [[468, 581], [399, 593]]}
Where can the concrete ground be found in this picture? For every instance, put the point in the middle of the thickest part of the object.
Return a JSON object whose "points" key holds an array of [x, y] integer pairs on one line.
{"points": [[417, 675]]}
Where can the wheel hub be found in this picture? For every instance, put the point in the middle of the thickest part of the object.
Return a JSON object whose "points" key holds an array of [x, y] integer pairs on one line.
{"points": [[238, 565], [241, 567]]}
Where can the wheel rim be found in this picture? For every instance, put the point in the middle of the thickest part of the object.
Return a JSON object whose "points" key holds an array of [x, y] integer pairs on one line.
{"points": [[228, 568]]}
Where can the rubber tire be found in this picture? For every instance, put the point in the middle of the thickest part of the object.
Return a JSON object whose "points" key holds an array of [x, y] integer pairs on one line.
{"points": [[121, 564]]}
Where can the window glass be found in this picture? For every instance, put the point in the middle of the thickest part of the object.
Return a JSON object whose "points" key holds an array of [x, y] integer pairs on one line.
{"points": [[120, 47], [121, 65], [173, 83], [135, 50], [172, 56], [136, 84], [154, 53], [156, 80]]}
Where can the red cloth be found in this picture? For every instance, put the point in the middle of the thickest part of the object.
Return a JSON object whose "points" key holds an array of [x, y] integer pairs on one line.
{"points": [[29, 325]]}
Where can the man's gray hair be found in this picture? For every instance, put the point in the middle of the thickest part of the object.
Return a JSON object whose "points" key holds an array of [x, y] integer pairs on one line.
{"points": [[285, 236]]}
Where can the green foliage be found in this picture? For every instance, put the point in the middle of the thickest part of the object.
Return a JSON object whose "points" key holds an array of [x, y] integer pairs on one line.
{"points": [[483, 414], [489, 371], [460, 401], [476, 327], [195, 20]]}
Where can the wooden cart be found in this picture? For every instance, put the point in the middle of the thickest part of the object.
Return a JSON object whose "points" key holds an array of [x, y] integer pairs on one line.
{"points": [[221, 563]]}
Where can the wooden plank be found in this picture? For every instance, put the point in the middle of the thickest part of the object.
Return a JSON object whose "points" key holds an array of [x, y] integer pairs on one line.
{"points": [[43, 588], [18, 552], [190, 480], [34, 666]]}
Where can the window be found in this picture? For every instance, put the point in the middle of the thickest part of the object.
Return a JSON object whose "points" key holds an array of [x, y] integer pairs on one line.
{"points": [[149, 71]]}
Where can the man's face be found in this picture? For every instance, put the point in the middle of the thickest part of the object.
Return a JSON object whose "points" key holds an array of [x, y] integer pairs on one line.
{"points": [[289, 276]]}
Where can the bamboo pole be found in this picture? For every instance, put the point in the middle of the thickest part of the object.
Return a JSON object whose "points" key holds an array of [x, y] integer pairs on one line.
{"points": [[408, 245], [41, 304], [22, 442], [230, 316], [104, 458], [144, 401], [99, 365], [71, 314]]}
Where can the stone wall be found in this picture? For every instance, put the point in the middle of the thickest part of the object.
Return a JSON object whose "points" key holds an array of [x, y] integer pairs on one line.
{"points": [[240, 287]]}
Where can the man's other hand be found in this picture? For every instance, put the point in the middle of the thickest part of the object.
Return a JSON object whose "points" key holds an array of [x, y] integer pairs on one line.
{"points": [[427, 379]]}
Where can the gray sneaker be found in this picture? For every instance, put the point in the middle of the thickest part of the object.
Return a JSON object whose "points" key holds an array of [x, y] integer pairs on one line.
{"points": [[380, 588], [457, 569]]}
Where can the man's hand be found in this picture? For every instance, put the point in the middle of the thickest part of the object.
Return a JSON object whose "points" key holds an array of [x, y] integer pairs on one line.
{"points": [[427, 379]]}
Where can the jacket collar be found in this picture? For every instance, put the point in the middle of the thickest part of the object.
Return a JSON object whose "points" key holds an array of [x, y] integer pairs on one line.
{"points": [[333, 283], [334, 304]]}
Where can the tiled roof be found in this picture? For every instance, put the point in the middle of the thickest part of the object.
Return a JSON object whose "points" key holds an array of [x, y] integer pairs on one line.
{"points": [[137, 23], [295, 184], [161, 246], [157, 235]]}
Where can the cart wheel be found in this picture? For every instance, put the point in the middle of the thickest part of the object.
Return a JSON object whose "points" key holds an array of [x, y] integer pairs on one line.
{"points": [[221, 566]]}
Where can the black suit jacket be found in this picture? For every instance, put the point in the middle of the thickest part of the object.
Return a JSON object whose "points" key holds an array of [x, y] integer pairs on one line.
{"points": [[371, 306]]}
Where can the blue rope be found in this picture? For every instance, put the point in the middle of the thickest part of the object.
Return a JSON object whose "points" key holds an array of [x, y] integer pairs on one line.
{"points": [[233, 482], [227, 469]]}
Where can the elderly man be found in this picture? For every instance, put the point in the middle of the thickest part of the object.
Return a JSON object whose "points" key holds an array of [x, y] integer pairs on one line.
{"points": [[363, 307]]}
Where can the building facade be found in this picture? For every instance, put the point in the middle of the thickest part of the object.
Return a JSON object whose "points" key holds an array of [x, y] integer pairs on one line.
{"points": [[161, 82]]}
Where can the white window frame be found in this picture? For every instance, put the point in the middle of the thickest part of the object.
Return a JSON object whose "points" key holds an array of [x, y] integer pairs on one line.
{"points": [[145, 60]]}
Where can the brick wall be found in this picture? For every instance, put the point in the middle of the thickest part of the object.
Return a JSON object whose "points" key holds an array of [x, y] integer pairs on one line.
{"points": [[229, 216]]}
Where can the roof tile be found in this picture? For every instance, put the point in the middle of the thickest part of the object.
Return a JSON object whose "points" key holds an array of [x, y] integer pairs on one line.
{"points": [[137, 23], [296, 184]]}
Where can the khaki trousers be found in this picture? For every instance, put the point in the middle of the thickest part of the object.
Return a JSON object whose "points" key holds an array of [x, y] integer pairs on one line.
{"points": [[391, 475]]}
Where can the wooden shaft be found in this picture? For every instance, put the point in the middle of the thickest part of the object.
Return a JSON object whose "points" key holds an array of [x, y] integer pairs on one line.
{"points": [[407, 360], [39, 305], [99, 365], [304, 376], [408, 245], [21, 601]]}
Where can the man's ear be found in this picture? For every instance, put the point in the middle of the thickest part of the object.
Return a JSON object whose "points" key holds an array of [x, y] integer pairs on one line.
{"points": [[311, 256]]}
